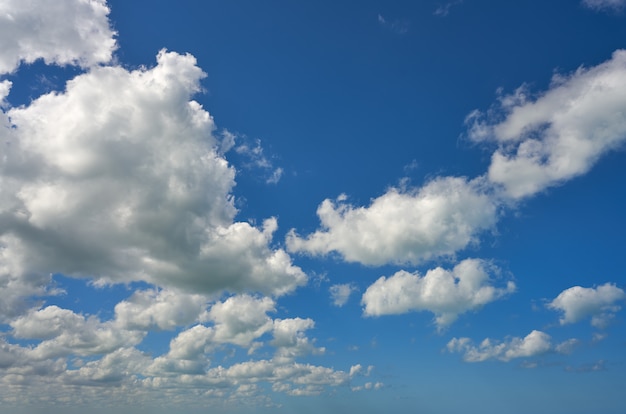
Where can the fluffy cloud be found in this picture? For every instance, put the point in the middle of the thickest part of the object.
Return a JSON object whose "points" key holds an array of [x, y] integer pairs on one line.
{"points": [[577, 303], [442, 217], [159, 309], [64, 333], [241, 319], [559, 135], [341, 293], [290, 341], [62, 32], [534, 344], [118, 178], [445, 293]]}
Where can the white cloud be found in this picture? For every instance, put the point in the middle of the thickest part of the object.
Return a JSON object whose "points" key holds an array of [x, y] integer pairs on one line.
{"points": [[63, 32], [112, 368], [614, 5], [559, 135], [445, 293], [64, 333], [290, 341], [118, 178], [241, 319], [254, 157], [533, 344], [160, 309], [341, 293], [578, 303], [442, 217]]}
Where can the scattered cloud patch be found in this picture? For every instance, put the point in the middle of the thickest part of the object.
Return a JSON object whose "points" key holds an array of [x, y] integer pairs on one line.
{"points": [[341, 293], [446, 293], [591, 367], [438, 219], [605, 5], [254, 158], [64, 32], [599, 303], [534, 344], [444, 9], [559, 135], [396, 26]]}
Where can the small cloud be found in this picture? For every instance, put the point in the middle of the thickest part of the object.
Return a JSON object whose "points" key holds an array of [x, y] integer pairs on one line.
{"points": [[341, 293], [578, 303], [444, 9], [533, 344], [413, 165], [275, 177], [252, 156], [593, 367]]}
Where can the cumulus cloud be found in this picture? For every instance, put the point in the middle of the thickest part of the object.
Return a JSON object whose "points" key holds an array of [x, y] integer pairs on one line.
{"points": [[446, 293], [578, 303], [341, 293], [159, 309], [62, 32], [241, 319], [64, 333], [290, 340], [438, 219], [559, 135], [534, 344], [118, 178]]}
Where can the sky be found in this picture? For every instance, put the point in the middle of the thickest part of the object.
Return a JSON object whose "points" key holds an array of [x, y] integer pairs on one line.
{"points": [[299, 207]]}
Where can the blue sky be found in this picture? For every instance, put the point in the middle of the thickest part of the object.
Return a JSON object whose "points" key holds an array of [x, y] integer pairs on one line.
{"points": [[286, 207]]}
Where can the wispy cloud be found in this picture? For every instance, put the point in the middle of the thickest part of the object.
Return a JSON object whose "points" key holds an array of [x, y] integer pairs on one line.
{"points": [[396, 26], [254, 157], [444, 9], [605, 5]]}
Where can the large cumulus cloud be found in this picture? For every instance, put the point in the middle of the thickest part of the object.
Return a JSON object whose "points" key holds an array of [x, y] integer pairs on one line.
{"points": [[117, 178]]}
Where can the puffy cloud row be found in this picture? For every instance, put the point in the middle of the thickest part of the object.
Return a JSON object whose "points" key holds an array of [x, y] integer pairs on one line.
{"points": [[446, 293], [534, 344], [62, 32], [118, 179], [442, 217], [112, 359], [576, 303]]}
